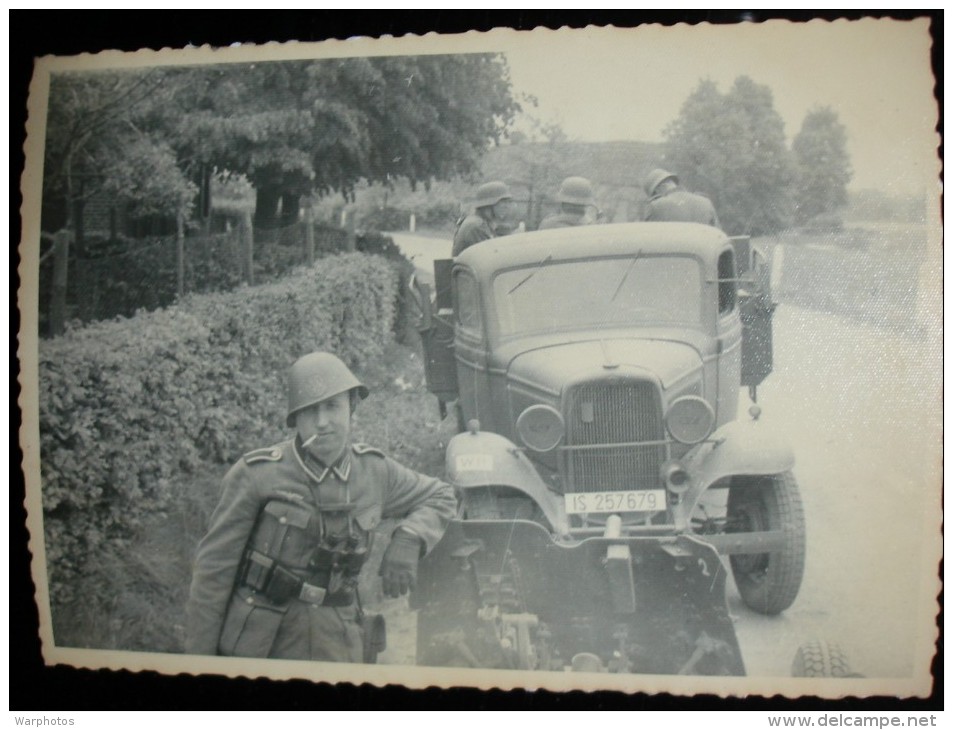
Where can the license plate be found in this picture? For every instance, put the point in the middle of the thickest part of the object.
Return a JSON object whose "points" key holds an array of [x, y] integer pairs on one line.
{"points": [[643, 500]]}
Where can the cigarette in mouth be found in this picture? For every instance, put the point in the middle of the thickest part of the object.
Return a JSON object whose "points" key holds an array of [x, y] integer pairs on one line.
{"points": [[310, 440]]}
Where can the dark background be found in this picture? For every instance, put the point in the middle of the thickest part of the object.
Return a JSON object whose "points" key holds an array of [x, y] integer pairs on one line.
{"points": [[35, 687]]}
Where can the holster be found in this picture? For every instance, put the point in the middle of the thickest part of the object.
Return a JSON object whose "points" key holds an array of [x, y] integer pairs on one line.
{"points": [[375, 637]]}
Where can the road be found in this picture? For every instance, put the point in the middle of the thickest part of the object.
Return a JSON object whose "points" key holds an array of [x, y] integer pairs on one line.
{"points": [[422, 251], [860, 406]]}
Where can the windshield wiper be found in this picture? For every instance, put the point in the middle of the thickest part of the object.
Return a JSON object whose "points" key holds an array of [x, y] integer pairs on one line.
{"points": [[531, 274], [628, 270]]}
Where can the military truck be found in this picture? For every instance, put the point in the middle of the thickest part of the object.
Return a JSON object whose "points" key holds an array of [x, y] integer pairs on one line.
{"points": [[603, 468]]}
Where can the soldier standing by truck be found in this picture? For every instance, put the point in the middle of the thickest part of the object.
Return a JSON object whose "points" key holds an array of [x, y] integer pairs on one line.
{"points": [[276, 575], [575, 198], [668, 201], [492, 209]]}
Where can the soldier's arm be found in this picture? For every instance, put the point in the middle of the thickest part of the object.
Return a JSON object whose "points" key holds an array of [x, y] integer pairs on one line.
{"points": [[464, 238], [217, 560], [425, 505], [470, 233]]}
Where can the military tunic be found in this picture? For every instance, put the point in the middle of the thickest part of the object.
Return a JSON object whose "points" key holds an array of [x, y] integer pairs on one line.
{"points": [[473, 229], [682, 206], [563, 220], [228, 618]]}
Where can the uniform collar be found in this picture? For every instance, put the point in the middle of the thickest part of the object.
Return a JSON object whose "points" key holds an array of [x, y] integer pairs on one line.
{"points": [[318, 470]]}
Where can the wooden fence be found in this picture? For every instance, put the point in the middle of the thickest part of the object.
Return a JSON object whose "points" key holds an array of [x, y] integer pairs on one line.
{"points": [[116, 277]]}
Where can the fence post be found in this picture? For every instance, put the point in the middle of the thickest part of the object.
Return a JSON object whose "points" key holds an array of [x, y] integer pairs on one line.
{"points": [[351, 233], [61, 241], [309, 232], [413, 222], [180, 255], [248, 247]]}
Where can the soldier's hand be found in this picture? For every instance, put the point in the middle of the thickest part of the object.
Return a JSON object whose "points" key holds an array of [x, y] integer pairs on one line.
{"points": [[399, 566]]}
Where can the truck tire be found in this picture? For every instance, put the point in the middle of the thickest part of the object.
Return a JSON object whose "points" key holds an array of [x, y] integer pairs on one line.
{"points": [[768, 582], [820, 658]]}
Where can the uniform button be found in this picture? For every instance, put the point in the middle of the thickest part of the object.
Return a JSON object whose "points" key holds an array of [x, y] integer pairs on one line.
{"points": [[275, 453], [249, 600], [283, 520]]}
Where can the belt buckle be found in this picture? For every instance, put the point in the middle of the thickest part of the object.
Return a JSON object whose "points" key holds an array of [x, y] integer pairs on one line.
{"points": [[312, 594]]}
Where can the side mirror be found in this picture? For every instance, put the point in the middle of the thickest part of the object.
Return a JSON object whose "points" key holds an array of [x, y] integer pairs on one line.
{"points": [[754, 271], [760, 274]]}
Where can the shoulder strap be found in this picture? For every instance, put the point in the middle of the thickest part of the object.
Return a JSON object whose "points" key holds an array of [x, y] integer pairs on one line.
{"points": [[270, 453], [361, 449]]}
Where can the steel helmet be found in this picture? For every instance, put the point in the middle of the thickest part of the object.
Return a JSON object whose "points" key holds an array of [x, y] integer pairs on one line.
{"points": [[576, 191], [491, 193], [656, 178], [317, 377]]}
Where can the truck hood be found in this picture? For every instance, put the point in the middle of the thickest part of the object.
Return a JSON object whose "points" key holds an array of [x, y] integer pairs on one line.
{"points": [[550, 367]]}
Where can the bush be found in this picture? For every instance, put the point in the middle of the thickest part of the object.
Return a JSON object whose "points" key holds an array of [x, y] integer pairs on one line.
{"points": [[372, 242], [439, 215], [128, 406], [385, 219]]}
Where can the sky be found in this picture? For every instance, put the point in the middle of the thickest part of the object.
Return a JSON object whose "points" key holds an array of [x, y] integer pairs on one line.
{"points": [[612, 84]]}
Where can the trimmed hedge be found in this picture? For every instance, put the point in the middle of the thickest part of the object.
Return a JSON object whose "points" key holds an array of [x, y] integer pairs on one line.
{"points": [[129, 405]]}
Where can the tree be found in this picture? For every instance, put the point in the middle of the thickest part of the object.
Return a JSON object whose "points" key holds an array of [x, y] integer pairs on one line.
{"points": [[291, 127], [824, 170], [302, 126], [100, 123], [97, 142], [536, 165], [731, 147]]}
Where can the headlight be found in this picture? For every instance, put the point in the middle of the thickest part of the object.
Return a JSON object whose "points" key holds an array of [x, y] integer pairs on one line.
{"points": [[690, 419], [541, 427]]}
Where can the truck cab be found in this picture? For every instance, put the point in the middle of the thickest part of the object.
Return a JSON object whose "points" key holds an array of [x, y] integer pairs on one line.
{"points": [[596, 373]]}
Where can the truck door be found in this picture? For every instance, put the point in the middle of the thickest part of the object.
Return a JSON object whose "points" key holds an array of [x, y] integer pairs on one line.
{"points": [[470, 350], [435, 325]]}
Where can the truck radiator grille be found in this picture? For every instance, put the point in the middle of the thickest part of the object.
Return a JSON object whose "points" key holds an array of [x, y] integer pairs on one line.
{"points": [[612, 413]]}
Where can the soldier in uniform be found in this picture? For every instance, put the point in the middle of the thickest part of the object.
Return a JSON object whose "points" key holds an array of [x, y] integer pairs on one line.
{"points": [[668, 201], [276, 575], [492, 210], [575, 197]]}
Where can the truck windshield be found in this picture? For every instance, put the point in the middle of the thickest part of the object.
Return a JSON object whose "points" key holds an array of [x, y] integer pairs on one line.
{"points": [[635, 290]]}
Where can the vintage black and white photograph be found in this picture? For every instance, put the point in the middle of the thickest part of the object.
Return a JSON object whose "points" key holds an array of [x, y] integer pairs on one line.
{"points": [[595, 358]]}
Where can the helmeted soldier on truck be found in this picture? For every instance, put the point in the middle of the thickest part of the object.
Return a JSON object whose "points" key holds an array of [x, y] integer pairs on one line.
{"points": [[492, 210], [276, 575], [575, 199], [668, 201]]}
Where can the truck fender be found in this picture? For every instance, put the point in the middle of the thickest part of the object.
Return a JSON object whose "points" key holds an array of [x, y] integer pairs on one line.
{"points": [[738, 448], [483, 459]]}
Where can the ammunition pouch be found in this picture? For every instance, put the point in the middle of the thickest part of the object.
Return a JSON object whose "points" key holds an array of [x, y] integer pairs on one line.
{"points": [[285, 537]]}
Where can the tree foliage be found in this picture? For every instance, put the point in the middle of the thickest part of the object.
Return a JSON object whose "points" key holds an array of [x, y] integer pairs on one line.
{"points": [[291, 127], [302, 126], [731, 147], [824, 170], [101, 136]]}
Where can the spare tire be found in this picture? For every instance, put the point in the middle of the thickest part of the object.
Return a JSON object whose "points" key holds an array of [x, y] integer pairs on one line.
{"points": [[820, 658]]}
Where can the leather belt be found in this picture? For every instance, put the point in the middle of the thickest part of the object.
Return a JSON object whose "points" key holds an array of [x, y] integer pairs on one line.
{"points": [[280, 584]]}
